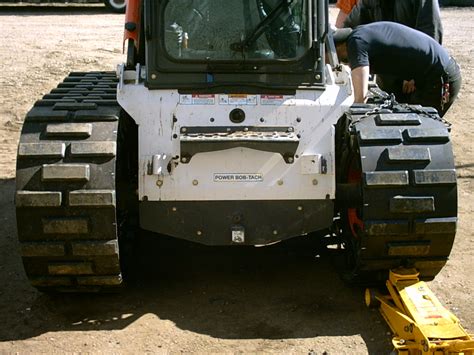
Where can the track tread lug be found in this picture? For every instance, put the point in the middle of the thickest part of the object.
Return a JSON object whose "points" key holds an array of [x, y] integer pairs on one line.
{"points": [[386, 178], [95, 248], [71, 268], [38, 198], [65, 225], [436, 225], [435, 177], [408, 153], [42, 150], [395, 119], [74, 106], [93, 149], [427, 135], [390, 227], [42, 249], [65, 172], [412, 204], [92, 198], [75, 130]]}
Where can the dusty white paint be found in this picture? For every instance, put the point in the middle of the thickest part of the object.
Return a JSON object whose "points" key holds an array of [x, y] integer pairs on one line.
{"points": [[318, 110]]}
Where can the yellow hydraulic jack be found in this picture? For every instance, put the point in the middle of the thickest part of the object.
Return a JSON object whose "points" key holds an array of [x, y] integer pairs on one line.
{"points": [[421, 325]]}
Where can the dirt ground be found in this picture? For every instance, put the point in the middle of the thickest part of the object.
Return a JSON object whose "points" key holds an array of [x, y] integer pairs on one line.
{"points": [[191, 298]]}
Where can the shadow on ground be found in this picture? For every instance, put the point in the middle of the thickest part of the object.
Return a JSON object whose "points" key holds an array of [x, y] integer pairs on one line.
{"points": [[278, 292]]}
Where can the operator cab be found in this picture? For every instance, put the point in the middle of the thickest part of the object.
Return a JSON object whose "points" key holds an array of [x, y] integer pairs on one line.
{"points": [[203, 44]]}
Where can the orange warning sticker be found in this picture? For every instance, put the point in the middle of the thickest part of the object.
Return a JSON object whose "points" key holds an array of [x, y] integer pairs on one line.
{"points": [[237, 99]]}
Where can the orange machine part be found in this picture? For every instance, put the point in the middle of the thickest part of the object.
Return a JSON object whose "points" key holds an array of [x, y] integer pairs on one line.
{"points": [[354, 176], [132, 22]]}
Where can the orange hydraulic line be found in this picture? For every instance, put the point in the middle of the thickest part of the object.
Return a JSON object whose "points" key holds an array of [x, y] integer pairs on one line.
{"points": [[132, 21]]}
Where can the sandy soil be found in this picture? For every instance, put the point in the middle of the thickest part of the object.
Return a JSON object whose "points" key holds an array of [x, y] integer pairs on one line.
{"points": [[191, 298]]}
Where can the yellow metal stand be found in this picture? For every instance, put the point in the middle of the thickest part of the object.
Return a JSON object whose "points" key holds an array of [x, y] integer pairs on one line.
{"points": [[421, 325]]}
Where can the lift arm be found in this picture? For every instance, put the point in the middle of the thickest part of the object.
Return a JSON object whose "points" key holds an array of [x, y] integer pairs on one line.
{"points": [[420, 323]]}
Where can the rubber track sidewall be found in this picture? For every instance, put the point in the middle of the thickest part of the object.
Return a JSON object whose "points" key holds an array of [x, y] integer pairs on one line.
{"points": [[73, 246], [373, 259]]}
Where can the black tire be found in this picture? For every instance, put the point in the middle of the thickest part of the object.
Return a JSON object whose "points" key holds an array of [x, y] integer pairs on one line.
{"points": [[117, 6]]}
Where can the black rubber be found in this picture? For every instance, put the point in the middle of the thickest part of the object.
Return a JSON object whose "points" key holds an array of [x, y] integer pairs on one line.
{"points": [[118, 8], [66, 204], [408, 213]]}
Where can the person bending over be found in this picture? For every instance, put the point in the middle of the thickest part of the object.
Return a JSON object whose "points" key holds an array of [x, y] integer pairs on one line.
{"points": [[431, 76]]}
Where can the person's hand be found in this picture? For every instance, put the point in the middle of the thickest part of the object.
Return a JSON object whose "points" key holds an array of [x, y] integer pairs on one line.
{"points": [[408, 86]]}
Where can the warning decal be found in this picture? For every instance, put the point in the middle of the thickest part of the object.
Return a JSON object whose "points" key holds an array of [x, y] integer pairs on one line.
{"points": [[274, 99], [197, 99], [237, 99]]}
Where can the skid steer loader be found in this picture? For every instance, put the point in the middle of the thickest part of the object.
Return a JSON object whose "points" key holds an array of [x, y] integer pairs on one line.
{"points": [[231, 123]]}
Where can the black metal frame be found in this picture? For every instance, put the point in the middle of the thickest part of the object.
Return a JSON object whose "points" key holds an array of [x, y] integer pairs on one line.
{"points": [[262, 75]]}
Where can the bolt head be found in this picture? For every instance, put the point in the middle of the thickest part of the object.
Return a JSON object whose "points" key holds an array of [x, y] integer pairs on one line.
{"points": [[153, 76], [184, 159], [300, 208], [174, 209], [199, 233], [275, 232], [195, 182], [315, 182], [159, 183], [291, 159], [280, 182]]}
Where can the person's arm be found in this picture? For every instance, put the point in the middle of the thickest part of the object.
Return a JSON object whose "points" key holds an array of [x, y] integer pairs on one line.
{"points": [[341, 17], [345, 8], [428, 19], [360, 81], [361, 14], [408, 86]]}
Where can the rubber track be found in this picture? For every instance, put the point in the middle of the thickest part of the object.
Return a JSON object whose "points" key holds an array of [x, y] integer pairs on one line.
{"points": [[409, 209], [65, 198]]}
